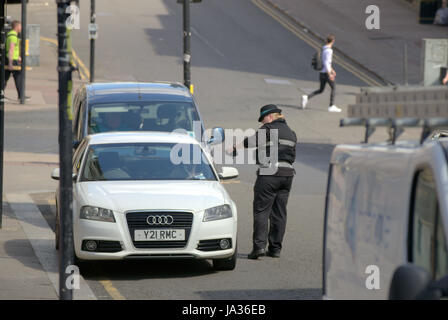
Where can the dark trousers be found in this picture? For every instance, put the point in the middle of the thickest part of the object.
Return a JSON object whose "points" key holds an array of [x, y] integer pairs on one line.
{"points": [[324, 79], [270, 199], [17, 74]]}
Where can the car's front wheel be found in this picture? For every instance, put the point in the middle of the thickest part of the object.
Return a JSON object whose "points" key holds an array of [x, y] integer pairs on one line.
{"points": [[226, 264]]}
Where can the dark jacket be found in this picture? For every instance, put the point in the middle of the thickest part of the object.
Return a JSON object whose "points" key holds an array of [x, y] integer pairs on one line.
{"points": [[287, 140]]}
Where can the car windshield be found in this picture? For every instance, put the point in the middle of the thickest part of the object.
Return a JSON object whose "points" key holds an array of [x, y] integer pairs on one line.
{"points": [[148, 116], [146, 161]]}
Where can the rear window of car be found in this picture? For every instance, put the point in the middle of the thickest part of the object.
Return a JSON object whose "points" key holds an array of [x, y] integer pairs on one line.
{"points": [[154, 116]]}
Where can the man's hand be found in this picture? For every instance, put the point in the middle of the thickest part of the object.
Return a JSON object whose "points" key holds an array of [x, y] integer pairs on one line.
{"points": [[445, 80], [332, 75]]}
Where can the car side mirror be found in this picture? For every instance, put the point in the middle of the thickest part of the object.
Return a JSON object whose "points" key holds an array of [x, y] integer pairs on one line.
{"points": [[76, 144], [228, 173], [218, 136], [55, 175], [409, 282]]}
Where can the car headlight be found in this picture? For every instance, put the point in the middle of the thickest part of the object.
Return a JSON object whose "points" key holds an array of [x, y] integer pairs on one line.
{"points": [[218, 213], [98, 214]]}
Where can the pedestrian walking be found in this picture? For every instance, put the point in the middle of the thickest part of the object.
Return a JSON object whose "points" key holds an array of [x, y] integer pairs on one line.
{"points": [[13, 58], [326, 75], [271, 191]]}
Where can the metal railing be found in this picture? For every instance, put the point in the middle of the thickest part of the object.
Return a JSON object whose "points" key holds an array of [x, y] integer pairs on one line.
{"points": [[397, 108]]}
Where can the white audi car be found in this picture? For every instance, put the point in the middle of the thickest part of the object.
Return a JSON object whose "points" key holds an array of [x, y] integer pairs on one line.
{"points": [[150, 195]]}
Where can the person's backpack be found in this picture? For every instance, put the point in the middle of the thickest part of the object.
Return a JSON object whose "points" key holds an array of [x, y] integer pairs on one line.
{"points": [[316, 61]]}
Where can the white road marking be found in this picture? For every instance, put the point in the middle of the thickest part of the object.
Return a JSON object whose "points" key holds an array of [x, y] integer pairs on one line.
{"points": [[278, 81], [41, 238]]}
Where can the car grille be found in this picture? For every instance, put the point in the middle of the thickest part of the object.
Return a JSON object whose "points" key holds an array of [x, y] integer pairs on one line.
{"points": [[137, 221]]}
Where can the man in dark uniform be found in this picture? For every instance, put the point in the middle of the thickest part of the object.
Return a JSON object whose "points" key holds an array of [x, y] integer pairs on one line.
{"points": [[274, 180]]}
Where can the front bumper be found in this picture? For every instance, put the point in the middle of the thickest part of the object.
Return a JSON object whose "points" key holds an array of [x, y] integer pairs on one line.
{"points": [[120, 232]]}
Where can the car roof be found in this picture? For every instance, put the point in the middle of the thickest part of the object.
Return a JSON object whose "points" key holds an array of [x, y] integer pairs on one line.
{"points": [[140, 137], [137, 91]]}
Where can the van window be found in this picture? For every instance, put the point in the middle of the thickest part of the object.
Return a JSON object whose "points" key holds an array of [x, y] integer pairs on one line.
{"points": [[428, 244]]}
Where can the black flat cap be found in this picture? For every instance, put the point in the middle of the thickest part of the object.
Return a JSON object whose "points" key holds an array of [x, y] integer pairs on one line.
{"points": [[267, 109]]}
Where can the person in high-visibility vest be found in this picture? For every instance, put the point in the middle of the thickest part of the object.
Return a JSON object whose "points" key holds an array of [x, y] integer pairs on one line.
{"points": [[13, 59]]}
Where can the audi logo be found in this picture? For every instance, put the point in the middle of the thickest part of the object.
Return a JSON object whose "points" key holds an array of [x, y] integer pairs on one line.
{"points": [[159, 220]]}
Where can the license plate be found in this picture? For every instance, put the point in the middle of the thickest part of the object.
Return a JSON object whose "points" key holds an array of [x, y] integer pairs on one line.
{"points": [[159, 235]]}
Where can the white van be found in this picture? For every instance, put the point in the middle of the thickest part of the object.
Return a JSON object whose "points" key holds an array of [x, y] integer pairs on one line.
{"points": [[386, 206]]}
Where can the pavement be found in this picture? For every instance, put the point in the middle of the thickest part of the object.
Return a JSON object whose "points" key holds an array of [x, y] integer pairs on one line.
{"points": [[28, 259], [346, 20], [239, 64]]}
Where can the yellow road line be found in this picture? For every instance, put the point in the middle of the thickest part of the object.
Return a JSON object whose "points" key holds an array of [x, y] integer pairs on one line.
{"points": [[111, 290], [81, 64], [313, 43], [84, 71]]}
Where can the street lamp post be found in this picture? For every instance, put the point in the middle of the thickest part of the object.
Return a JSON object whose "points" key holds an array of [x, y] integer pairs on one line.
{"points": [[92, 41], [187, 38], [23, 53], [2, 100], [66, 250]]}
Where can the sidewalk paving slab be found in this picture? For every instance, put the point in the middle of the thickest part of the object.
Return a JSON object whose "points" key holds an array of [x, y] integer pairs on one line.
{"points": [[22, 276]]}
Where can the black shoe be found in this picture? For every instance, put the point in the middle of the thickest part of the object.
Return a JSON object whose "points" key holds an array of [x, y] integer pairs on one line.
{"points": [[256, 253], [274, 254]]}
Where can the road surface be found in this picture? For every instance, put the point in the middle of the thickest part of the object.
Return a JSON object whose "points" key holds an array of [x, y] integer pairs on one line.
{"points": [[243, 58]]}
